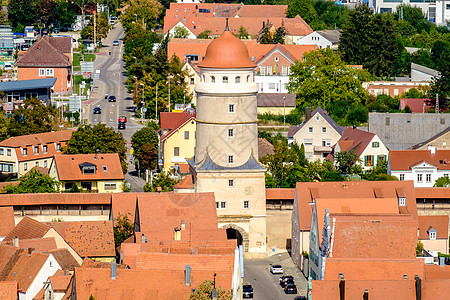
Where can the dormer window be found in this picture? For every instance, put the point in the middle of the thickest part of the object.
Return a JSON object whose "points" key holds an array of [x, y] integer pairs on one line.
{"points": [[44, 149], [87, 168], [432, 234], [24, 152], [213, 79], [225, 79], [36, 150], [401, 201], [105, 168], [237, 80]]}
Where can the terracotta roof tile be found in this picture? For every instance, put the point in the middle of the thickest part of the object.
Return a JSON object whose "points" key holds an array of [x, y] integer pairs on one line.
{"points": [[61, 43], [124, 203], [439, 223], [41, 170], [55, 198], [7, 216], [416, 105], [8, 258], [264, 148], [276, 100], [432, 192], [355, 139], [171, 122], [88, 238], [28, 228], [435, 289], [280, 194], [269, 11], [437, 272], [42, 53], [64, 259], [406, 159], [60, 281], [39, 244], [8, 290], [186, 183], [68, 166], [6, 183]]}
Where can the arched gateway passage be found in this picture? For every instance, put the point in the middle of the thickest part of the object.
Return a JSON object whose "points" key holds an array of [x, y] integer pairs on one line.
{"points": [[237, 233]]}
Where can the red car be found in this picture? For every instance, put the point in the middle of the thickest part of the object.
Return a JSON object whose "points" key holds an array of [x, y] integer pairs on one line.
{"points": [[122, 119]]}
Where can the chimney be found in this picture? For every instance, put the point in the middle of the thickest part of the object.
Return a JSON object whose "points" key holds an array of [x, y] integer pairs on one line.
{"points": [[15, 241], [183, 225], [159, 189], [307, 114], [143, 239], [405, 276], [113, 271], [177, 234], [264, 24], [366, 294], [441, 262], [418, 287], [30, 250], [187, 274], [341, 287], [432, 149]]}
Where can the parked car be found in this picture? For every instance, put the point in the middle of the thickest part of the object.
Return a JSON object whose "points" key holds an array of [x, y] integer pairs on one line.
{"points": [[287, 282], [122, 119], [290, 289], [300, 298], [97, 110], [111, 98], [116, 43], [276, 269], [285, 277], [247, 291], [121, 125]]}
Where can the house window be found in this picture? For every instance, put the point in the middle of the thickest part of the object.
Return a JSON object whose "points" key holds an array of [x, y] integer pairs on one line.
{"points": [[58, 147], [246, 204], [24, 152], [105, 169], [230, 159], [217, 204], [2, 151], [326, 143], [375, 144], [223, 205], [237, 79], [284, 70], [324, 130], [419, 177], [44, 149], [110, 186], [231, 108], [310, 130], [442, 121], [25, 166], [271, 86], [307, 142], [41, 72], [402, 176], [49, 72], [213, 79], [36, 150], [176, 151], [368, 160], [446, 175], [225, 79], [192, 80], [230, 182], [317, 118], [45, 164], [432, 235], [381, 157], [186, 135], [387, 121], [269, 70], [428, 177], [36, 164], [230, 133], [276, 58], [88, 170], [248, 78], [262, 70], [401, 201], [8, 152]]}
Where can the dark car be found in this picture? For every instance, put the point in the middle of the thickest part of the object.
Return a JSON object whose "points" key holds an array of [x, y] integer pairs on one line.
{"points": [[116, 42], [300, 298], [121, 125], [287, 282], [111, 98], [247, 291], [97, 110], [290, 289], [284, 278]]}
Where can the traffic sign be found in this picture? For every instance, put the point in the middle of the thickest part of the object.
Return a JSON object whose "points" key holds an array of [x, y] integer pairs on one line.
{"points": [[87, 66]]}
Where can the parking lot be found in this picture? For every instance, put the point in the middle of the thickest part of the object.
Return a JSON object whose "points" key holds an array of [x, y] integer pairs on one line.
{"points": [[265, 285]]}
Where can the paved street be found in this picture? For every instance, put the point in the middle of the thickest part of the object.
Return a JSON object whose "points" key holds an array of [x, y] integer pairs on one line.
{"points": [[111, 81], [265, 285]]}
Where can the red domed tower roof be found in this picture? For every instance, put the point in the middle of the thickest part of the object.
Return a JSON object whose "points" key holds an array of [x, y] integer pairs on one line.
{"points": [[227, 52]]}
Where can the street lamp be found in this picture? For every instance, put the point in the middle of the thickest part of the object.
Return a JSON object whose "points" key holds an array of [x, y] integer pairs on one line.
{"points": [[135, 59], [143, 104], [134, 24], [170, 76], [284, 111], [156, 105]]}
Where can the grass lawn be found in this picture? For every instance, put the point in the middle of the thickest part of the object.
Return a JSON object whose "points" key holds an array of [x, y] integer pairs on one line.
{"points": [[77, 57]]}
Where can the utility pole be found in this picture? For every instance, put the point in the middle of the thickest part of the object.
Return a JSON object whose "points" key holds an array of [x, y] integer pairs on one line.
{"points": [[95, 27], [169, 77], [437, 103], [284, 111], [143, 104], [156, 105]]}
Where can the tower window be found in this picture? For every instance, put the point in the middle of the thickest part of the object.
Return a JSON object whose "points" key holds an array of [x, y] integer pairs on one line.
{"points": [[230, 183], [213, 79], [246, 204], [176, 151], [231, 108], [225, 79], [230, 159], [237, 79], [230, 133]]}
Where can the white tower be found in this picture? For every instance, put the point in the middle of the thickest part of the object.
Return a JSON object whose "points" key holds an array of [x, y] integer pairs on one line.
{"points": [[226, 150]]}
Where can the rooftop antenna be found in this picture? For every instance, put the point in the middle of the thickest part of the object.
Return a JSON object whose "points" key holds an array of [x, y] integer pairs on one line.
{"points": [[226, 27]]}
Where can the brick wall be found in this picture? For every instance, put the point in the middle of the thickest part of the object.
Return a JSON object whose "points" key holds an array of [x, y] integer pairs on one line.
{"points": [[24, 73]]}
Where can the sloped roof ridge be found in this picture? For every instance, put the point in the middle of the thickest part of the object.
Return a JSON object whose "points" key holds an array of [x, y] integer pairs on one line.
{"points": [[55, 54], [251, 164], [328, 119], [417, 146]]}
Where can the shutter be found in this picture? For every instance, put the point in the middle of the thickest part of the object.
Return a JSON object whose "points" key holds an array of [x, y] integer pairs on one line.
{"points": [[365, 160]]}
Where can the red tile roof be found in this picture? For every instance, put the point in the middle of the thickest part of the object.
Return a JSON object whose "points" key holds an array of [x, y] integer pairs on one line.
{"points": [[264, 148], [65, 260], [124, 203], [374, 190], [186, 183], [8, 290], [435, 289], [39, 244], [68, 167], [432, 192], [55, 198], [60, 281], [43, 54], [61, 43], [7, 216], [88, 238], [174, 121], [27, 228], [439, 223], [280, 194], [8, 257], [416, 105], [406, 159], [38, 139], [437, 272], [269, 11], [165, 211], [355, 140], [370, 236]]}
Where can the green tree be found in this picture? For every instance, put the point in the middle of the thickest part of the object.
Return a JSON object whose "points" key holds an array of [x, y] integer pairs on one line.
{"points": [[419, 248], [91, 139], [323, 78], [102, 27], [123, 228], [280, 33], [442, 182], [163, 181], [204, 290], [31, 118], [148, 156], [65, 14], [180, 32], [303, 8], [357, 115], [280, 164], [205, 34], [266, 36], [33, 182], [423, 58], [243, 33], [345, 161], [415, 93], [146, 135], [22, 12], [147, 12]]}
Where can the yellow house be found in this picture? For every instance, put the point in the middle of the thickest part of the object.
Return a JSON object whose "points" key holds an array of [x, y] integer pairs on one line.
{"points": [[192, 78], [100, 173], [177, 137], [275, 103]]}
